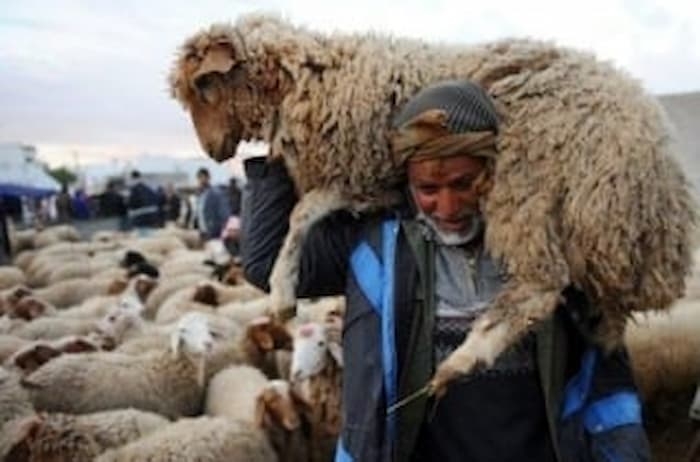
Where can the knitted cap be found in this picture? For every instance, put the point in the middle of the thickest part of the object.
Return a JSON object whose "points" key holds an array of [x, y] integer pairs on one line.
{"points": [[468, 106]]}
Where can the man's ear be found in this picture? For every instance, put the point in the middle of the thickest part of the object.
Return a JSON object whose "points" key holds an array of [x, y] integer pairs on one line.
{"points": [[484, 182], [410, 200]]}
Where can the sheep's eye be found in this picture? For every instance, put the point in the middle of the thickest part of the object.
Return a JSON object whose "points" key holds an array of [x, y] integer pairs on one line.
{"points": [[206, 87], [215, 335], [321, 343]]}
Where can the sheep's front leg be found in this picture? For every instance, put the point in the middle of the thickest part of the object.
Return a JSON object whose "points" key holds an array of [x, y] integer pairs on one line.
{"points": [[284, 278], [506, 321]]}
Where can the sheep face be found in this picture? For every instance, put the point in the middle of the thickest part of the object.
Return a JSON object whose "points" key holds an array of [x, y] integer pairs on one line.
{"points": [[230, 96], [210, 82], [193, 334], [206, 293], [144, 285], [310, 348], [29, 308], [276, 406], [115, 323]]}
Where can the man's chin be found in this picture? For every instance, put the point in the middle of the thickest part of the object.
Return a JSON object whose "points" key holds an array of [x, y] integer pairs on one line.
{"points": [[452, 238], [460, 235]]}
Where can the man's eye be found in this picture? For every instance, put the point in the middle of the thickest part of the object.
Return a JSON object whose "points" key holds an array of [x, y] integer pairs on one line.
{"points": [[427, 190], [463, 185]]}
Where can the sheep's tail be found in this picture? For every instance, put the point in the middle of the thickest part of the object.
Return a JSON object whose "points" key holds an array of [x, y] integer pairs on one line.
{"points": [[313, 206]]}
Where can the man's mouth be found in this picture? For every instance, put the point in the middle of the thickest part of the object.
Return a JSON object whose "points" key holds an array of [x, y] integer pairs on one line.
{"points": [[453, 226]]}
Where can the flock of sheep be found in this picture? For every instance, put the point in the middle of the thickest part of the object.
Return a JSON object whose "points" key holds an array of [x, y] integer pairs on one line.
{"points": [[126, 349], [155, 348]]}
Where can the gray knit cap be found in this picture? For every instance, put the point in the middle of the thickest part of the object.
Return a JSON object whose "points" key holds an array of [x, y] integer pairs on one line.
{"points": [[468, 106]]}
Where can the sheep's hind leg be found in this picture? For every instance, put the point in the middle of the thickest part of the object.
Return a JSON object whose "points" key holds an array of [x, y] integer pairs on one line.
{"points": [[284, 278], [507, 320]]}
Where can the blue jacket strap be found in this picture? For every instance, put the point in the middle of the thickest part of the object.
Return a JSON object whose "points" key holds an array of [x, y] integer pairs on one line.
{"points": [[369, 274]]}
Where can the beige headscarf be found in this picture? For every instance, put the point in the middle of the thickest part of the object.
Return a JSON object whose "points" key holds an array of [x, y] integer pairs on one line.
{"points": [[426, 136]]}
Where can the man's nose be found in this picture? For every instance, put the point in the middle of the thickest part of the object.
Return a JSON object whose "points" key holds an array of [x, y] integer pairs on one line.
{"points": [[448, 204]]}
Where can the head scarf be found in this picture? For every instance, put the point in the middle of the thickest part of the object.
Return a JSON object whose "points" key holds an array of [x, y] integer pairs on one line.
{"points": [[446, 119]]}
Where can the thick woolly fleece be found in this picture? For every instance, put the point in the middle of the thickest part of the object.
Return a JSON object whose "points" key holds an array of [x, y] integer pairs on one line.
{"points": [[586, 189]]}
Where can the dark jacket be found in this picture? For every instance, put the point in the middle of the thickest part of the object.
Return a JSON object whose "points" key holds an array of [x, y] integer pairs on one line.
{"points": [[216, 210], [5, 245], [112, 204], [343, 254], [142, 206]]}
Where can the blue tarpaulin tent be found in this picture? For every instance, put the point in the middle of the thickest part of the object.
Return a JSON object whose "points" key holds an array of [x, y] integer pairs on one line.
{"points": [[21, 175]]}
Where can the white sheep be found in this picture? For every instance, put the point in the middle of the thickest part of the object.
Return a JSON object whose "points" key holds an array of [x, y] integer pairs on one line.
{"points": [[14, 400], [165, 289], [52, 327], [55, 234], [202, 439], [316, 374], [14, 405], [34, 354], [169, 382], [233, 392], [71, 292], [11, 276], [9, 344], [78, 438]]}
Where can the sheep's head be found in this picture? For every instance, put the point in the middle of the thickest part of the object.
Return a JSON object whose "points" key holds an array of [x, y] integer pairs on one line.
{"points": [[114, 325], [312, 349], [193, 334], [31, 358], [279, 413], [143, 285], [206, 293], [10, 297], [29, 308], [211, 78], [232, 79]]}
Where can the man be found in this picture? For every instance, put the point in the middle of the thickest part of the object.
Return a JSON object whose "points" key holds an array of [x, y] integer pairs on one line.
{"points": [[212, 207], [553, 397], [64, 205], [112, 203], [142, 205], [173, 203], [5, 244]]}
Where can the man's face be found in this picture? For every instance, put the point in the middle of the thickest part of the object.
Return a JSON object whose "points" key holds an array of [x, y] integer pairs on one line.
{"points": [[445, 193], [203, 180]]}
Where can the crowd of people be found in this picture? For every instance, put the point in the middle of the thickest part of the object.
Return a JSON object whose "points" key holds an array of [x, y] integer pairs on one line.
{"points": [[140, 206]]}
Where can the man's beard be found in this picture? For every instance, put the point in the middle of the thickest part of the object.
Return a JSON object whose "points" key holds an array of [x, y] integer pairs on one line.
{"points": [[454, 238]]}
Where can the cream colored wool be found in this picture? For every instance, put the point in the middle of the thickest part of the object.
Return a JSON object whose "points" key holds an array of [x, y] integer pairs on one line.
{"points": [[586, 188]]}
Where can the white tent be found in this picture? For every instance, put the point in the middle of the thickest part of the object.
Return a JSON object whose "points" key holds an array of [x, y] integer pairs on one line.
{"points": [[21, 175]]}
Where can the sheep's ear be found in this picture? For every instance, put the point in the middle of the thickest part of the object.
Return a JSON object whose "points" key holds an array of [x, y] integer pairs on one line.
{"points": [[217, 59], [260, 411], [175, 342], [336, 351], [22, 436]]}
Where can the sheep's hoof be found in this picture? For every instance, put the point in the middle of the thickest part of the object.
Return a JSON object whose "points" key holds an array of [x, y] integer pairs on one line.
{"points": [[444, 375]]}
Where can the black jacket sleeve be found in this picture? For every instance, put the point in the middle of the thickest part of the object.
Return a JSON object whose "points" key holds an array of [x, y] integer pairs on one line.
{"points": [[268, 199]]}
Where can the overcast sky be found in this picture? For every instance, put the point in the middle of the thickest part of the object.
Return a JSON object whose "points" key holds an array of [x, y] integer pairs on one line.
{"points": [[87, 79]]}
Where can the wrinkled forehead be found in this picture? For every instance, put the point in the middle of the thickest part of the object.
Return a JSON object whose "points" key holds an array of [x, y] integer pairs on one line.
{"points": [[440, 169]]}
